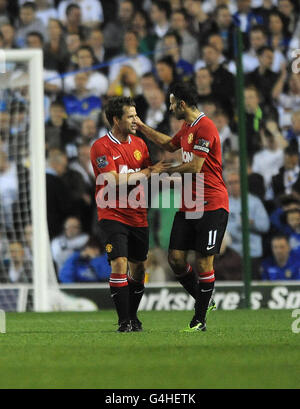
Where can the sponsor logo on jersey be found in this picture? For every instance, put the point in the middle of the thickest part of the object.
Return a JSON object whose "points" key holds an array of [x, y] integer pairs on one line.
{"points": [[137, 154], [124, 169], [101, 161], [187, 156], [202, 145]]}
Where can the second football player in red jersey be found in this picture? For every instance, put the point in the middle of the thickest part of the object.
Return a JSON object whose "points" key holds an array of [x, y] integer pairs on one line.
{"points": [[200, 145], [123, 157]]}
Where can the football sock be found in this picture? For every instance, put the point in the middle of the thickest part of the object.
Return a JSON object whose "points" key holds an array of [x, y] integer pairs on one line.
{"points": [[204, 292], [120, 295], [136, 292], [189, 281]]}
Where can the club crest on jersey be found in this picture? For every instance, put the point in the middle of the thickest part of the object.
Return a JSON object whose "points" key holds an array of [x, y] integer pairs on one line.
{"points": [[202, 145], [108, 248], [101, 161], [137, 154], [190, 138]]}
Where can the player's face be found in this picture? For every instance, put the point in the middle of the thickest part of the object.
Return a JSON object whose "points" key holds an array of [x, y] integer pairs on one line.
{"points": [[176, 108], [127, 124]]}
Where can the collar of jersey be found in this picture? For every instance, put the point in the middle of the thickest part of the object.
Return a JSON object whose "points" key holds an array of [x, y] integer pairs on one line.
{"points": [[115, 140], [198, 119]]}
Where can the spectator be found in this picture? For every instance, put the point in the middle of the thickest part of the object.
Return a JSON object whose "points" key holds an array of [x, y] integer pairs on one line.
{"points": [[254, 116], [293, 221], [9, 35], [8, 189], [97, 82], [96, 41], [228, 264], [126, 83], [81, 103], [228, 139], [258, 222], [279, 37], [284, 263], [223, 80], [170, 45], [293, 132], [91, 10], [73, 43], [83, 166], [88, 132], [157, 110], [73, 23], [286, 93], [160, 13], [265, 7], [18, 270], [58, 134], [59, 204], [263, 78], [221, 23], [189, 44], [269, 159], [72, 239], [5, 13], [258, 38], [114, 30], [141, 24], [45, 11], [166, 74], [288, 174], [277, 217], [55, 50], [203, 82], [131, 57], [288, 12], [87, 265], [245, 17], [28, 22]]}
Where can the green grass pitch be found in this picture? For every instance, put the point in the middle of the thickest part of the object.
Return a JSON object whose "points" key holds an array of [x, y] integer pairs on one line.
{"points": [[241, 349]]}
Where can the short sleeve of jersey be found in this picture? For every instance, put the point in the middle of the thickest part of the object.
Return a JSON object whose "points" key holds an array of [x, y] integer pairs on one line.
{"points": [[101, 159], [204, 139], [176, 140]]}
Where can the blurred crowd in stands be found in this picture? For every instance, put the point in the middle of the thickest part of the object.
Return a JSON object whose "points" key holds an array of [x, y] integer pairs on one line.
{"points": [[94, 49]]}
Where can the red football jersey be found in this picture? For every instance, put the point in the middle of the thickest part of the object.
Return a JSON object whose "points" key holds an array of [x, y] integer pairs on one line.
{"points": [[109, 154], [201, 138]]}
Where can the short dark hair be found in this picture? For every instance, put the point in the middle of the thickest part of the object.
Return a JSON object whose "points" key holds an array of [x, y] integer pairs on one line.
{"points": [[279, 236], [70, 7], [115, 105], [29, 5], [264, 48], [163, 6], [36, 34], [186, 92]]}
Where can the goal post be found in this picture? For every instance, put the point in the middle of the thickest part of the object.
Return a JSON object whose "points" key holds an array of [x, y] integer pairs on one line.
{"points": [[40, 240]]}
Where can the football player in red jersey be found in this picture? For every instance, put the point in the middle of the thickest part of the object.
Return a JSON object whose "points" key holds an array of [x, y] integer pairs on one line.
{"points": [[200, 144], [121, 158]]}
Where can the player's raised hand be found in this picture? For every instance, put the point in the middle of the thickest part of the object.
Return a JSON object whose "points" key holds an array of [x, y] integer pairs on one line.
{"points": [[139, 123]]}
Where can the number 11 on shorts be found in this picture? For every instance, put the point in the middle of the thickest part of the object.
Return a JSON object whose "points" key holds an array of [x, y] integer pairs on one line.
{"points": [[212, 236]]}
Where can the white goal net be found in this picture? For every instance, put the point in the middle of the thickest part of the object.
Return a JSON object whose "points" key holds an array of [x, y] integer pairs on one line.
{"points": [[27, 276]]}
